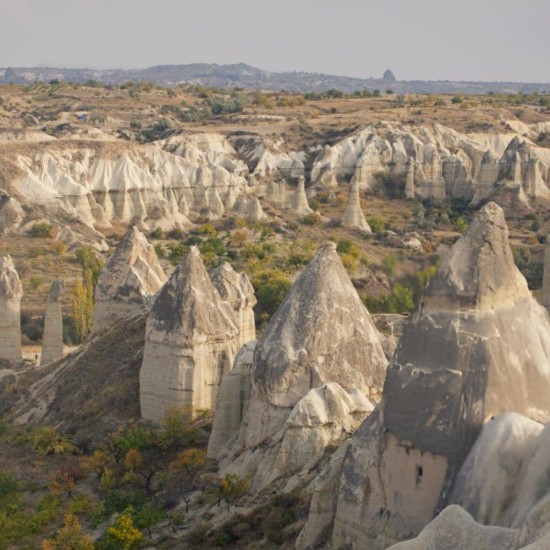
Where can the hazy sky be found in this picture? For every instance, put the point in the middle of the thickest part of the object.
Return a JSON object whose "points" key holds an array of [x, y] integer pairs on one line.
{"points": [[417, 39]]}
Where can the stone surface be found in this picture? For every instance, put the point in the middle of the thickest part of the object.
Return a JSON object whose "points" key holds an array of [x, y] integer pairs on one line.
{"points": [[190, 342], [52, 340], [545, 298], [478, 347], [353, 217], [128, 281], [237, 290], [11, 292]]}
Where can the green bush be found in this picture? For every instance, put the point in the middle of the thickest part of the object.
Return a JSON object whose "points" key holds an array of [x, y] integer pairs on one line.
{"points": [[40, 230], [377, 223], [271, 287]]}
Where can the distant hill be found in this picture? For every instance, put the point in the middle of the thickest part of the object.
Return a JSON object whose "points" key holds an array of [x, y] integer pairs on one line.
{"points": [[245, 76]]}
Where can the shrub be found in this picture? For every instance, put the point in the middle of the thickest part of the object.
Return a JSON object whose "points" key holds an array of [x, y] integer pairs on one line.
{"points": [[377, 223], [41, 230], [271, 287], [347, 246]]}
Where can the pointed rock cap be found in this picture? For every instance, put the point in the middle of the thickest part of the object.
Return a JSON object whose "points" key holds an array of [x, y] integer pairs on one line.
{"points": [[353, 217], [321, 333], [479, 271], [188, 310], [132, 273], [233, 287], [57, 291], [10, 285]]}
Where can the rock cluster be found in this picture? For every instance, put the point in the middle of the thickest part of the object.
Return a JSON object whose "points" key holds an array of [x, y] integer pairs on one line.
{"points": [[191, 339], [478, 347], [128, 281], [11, 292], [52, 340], [314, 369], [11, 214]]}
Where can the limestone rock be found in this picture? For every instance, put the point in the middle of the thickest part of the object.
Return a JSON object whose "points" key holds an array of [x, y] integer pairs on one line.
{"points": [[321, 333], [237, 290], [353, 217], [478, 347], [190, 342], [128, 281], [52, 340], [232, 402], [11, 292], [11, 214]]}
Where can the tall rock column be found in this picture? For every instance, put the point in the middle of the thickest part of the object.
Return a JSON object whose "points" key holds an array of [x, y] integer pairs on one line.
{"points": [[190, 342], [52, 341], [297, 201], [353, 217], [11, 292]]}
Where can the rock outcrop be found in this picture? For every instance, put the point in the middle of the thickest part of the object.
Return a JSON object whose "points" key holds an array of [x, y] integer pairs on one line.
{"points": [[353, 217], [321, 333], [314, 369], [297, 201], [52, 340], [232, 402], [11, 292], [478, 347], [190, 342], [237, 290], [545, 298], [129, 280], [11, 214]]}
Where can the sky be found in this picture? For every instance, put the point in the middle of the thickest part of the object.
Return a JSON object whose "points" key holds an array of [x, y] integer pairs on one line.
{"points": [[417, 39]]}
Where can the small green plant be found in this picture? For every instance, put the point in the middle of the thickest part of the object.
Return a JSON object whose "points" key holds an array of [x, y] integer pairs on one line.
{"points": [[35, 281], [40, 230]]}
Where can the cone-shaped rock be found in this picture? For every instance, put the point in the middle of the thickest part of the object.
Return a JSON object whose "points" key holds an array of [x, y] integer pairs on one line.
{"points": [[545, 299], [131, 276], [353, 217], [190, 342], [11, 214], [11, 292], [321, 333], [237, 290], [297, 201], [478, 347], [52, 341]]}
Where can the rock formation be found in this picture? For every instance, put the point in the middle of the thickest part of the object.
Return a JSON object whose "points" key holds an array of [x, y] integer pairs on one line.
{"points": [[321, 333], [297, 201], [237, 290], [52, 340], [478, 347], [545, 299], [128, 281], [190, 342], [232, 402], [314, 369], [11, 292], [353, 217], [11, 214]]}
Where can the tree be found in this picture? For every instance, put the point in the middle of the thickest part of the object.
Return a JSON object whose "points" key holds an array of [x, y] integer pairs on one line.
{"points": [[61, 482], [231, 488], [69, 537], [123, 532], [191, 462]]}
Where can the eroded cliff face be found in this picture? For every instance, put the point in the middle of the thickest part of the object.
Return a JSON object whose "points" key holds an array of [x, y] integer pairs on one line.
{"points": [[172, 182], [478, 347]]}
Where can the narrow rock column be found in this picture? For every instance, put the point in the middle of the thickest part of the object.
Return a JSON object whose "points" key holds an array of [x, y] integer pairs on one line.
{"points": [[11, 292], [52, 341], [353, 217], [545, 300], [409, 181], [298, 200]]}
